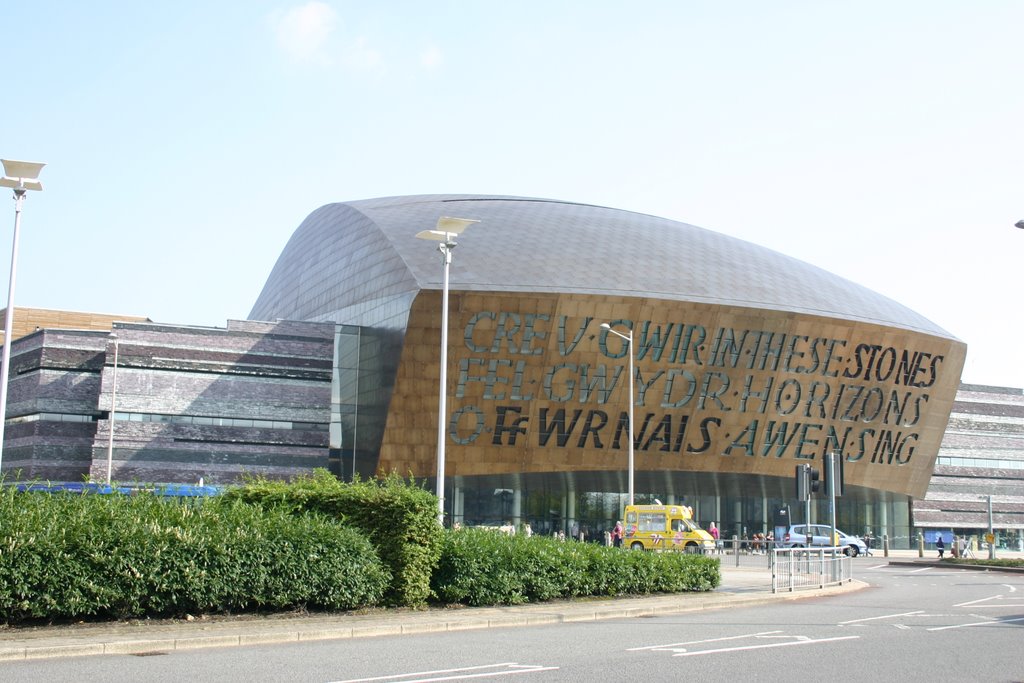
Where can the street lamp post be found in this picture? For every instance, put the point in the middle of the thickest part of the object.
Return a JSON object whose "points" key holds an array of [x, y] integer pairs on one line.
{"points": [[445, 232], [113, 407], [20, 176], [632, 380]]}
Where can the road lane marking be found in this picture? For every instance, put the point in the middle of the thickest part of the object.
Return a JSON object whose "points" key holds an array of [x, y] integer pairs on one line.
{"points": [[924, 569], [887, 616], [462, 673], [804, 641], [1009, 604], [698, 642], [977, 623], [974, 602]]}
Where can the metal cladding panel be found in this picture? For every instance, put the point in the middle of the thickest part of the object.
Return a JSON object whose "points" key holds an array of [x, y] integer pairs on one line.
{"points": [[350, 253], [536, 385]]}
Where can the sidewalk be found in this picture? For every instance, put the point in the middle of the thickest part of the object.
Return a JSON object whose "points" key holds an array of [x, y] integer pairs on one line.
{"points": [[741, 586]]}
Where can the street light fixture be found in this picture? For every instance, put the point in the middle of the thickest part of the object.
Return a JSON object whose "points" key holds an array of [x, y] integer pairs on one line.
{"points": [[632, 379], [20, 176], [113, 407], [445, 232]]}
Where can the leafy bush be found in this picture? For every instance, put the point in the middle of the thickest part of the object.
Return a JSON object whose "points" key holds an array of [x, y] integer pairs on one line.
{"points": [[483, 567], [72, 555], [399, 519]]}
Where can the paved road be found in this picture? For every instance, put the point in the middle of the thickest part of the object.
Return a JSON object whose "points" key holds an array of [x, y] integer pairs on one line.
{"points": [[912, 623]]}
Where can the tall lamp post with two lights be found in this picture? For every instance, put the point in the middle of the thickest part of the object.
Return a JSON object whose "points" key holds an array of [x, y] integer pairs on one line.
{"points": [[445, 232], [20, 176], [632, 379]]}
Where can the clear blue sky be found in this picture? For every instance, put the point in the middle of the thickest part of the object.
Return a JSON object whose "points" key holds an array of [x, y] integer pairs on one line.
{"points": [[186, 140]]}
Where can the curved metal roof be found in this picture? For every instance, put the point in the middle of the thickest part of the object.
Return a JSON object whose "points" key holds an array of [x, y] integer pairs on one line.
{"points": [[345, 255]]}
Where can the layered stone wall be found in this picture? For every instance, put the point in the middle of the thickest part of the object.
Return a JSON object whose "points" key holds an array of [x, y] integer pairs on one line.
{"points": [[51, 409], [212, 404], [982, 455], [191, 403]]}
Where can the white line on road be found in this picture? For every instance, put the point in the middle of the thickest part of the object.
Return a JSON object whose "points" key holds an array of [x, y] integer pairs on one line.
{"points": [[1009, 604], [925, 569], [506, 669], [974, 602], [763, 647], [977, 623], [698, 642], [887, 616]]}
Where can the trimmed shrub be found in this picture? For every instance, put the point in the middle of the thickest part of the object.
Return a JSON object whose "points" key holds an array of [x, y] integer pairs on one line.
{"points": [[484, 567], [399, 520], [66, 555], [1004, 562]]}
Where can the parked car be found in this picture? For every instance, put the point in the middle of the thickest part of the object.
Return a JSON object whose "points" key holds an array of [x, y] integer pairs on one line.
{"points": [[796, 537]]}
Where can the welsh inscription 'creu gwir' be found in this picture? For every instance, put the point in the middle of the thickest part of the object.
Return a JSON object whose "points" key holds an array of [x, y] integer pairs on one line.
{"points": [[783, 383]]}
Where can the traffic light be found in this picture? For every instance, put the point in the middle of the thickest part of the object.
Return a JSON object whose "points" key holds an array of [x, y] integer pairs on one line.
{"points": [[834, 472], [808, 481]]}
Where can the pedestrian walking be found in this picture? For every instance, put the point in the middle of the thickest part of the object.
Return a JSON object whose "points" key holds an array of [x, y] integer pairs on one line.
{"points": [[713, 530], [940, 545], [617, 535]]}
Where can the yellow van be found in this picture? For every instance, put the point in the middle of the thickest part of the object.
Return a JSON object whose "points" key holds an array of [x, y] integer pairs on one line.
{"points": [[664, 527]]}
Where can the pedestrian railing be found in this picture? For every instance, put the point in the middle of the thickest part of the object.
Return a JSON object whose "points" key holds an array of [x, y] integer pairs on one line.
{"points": [[801, 568]]}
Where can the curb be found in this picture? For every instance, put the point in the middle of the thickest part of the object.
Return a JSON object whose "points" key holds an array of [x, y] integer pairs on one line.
{"points": [[68, 642], [967, 567]]}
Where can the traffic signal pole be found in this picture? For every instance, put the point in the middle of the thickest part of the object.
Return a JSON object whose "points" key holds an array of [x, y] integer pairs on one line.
{"points": [[806, 486], [831, 471], [807, 513]]}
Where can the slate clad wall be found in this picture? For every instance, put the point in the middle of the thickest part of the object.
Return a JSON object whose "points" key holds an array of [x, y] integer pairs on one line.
{"points": [[982, 454], [54, 376], [181, 391]]}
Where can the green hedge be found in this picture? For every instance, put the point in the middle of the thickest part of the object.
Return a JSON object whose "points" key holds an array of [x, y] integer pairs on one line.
{"points": [[484, 567], [66, 555], [996, 562], [399, 519]]}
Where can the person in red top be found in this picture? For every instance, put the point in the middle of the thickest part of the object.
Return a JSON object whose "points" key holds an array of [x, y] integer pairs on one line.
{"points": [[617, 535]]}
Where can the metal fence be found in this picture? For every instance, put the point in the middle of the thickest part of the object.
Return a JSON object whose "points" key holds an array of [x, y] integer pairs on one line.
{"points": [[791, 569], [800, 568]]}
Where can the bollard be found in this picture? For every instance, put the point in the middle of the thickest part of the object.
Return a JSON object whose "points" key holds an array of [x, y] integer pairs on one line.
{"points": [[885, 545], [920, 545]]}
